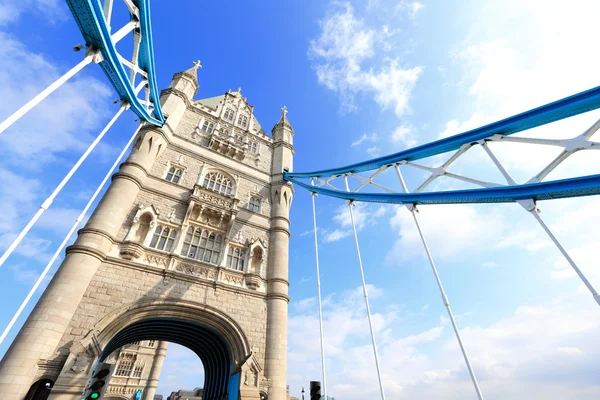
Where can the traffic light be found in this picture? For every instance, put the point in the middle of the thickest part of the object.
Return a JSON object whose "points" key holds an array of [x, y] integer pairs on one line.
{"points": [[315, 390], [98, 382]]}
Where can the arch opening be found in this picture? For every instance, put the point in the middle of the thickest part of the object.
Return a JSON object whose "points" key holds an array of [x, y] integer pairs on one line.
{"points": [[212, 349], [40, 390]]}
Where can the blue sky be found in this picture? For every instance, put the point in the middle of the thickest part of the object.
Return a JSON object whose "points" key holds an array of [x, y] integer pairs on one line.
{"points": [[360, 79]]}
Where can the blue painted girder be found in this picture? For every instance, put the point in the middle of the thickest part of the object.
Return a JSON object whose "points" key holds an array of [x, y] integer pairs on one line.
{"points": [[90, 19], [564, 108], [573, 187]]}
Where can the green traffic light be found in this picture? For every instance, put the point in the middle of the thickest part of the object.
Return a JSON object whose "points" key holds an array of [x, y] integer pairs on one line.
{"points": [[95, 396]]}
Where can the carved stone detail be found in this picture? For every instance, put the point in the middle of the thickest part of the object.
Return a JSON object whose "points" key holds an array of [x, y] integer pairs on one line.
{"points": [[157, 260], [232, 278], [253, 281], [130, 250], [196, 270]]}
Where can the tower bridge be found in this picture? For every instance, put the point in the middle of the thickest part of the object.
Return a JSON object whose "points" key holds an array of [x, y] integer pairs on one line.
{"points": [[190, 242]]}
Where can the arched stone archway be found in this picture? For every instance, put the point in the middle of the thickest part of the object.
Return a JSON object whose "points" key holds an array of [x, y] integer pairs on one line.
{"points": [[217, 339]]}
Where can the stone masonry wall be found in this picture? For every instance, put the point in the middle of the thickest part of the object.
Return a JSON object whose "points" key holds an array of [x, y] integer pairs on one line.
{"points": [[115, 286]]}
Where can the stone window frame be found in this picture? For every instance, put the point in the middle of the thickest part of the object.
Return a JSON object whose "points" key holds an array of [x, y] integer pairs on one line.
{"points": [[210, 127], [255, 197], [175, 165], [138, 369], [154, 222], [224, 174], [243, 121], [187, 245], [240, 258], [125, 363], [171, 236], [229, 114]]}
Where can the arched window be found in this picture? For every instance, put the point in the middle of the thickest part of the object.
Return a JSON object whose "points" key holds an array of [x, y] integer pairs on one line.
{"points": [[228, 115], [174, 175], [254, 204], [208, 127], [218, 182], [202, 245], [235, 258], [163, 238], [253, 147]]}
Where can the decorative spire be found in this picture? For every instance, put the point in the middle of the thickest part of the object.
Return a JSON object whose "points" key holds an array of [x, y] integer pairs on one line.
{"points": [[283, 121], [192, 72]]}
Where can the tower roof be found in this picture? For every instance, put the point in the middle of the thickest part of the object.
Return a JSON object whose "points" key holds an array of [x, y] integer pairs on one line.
{"points": [[283, 121], [192, 72]]}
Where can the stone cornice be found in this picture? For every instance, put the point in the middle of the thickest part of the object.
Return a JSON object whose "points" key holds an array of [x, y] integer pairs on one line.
{"points": [[278, 280], [96, 232], [283, 230], [172, 274], [75, 248], [278, 296], [125, 175]]}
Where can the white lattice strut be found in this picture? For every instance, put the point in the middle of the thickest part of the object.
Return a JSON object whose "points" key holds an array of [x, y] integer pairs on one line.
{"points": [[365, 293], [535, 212], [67, 237], [313, 195], [46, 204], [413, 210]]}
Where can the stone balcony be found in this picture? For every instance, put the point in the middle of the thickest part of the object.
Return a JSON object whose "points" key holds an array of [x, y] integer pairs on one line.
{"points": [[228, 145]]}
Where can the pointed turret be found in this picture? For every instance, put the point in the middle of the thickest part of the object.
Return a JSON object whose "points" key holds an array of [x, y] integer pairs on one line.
{"points": [[187, 81], [283, 130], [283, 144], [179, 94]]}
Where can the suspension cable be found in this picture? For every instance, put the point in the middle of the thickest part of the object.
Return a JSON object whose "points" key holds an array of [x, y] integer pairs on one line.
{"points": [[365, 293], [68, 236], [46, 204], [536, 215], [313, 195], [412, 210], [46, 92]]}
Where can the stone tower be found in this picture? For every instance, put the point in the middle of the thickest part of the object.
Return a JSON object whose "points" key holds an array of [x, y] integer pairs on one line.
{"points": [[189, 245]]}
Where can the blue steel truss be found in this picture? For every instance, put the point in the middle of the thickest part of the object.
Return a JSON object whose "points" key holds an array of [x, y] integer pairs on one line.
{"points": [[94, 28], [497, 131]]}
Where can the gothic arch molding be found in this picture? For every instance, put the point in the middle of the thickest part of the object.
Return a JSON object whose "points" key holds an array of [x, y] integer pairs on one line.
{"points": [[217, 339]]}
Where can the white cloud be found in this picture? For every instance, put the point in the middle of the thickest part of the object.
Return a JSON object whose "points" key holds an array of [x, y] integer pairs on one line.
{"points": [[365, 138], [537, 351], [11, 10], [364, 215], [404, 134], [340, 51], [450, 230], [410, 8]]}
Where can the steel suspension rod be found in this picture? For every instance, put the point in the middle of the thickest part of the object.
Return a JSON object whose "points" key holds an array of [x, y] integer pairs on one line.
{"points": [[46, 204], [365, 293], [412, 210], [45, 93], [313, 195], [67, 237]]}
